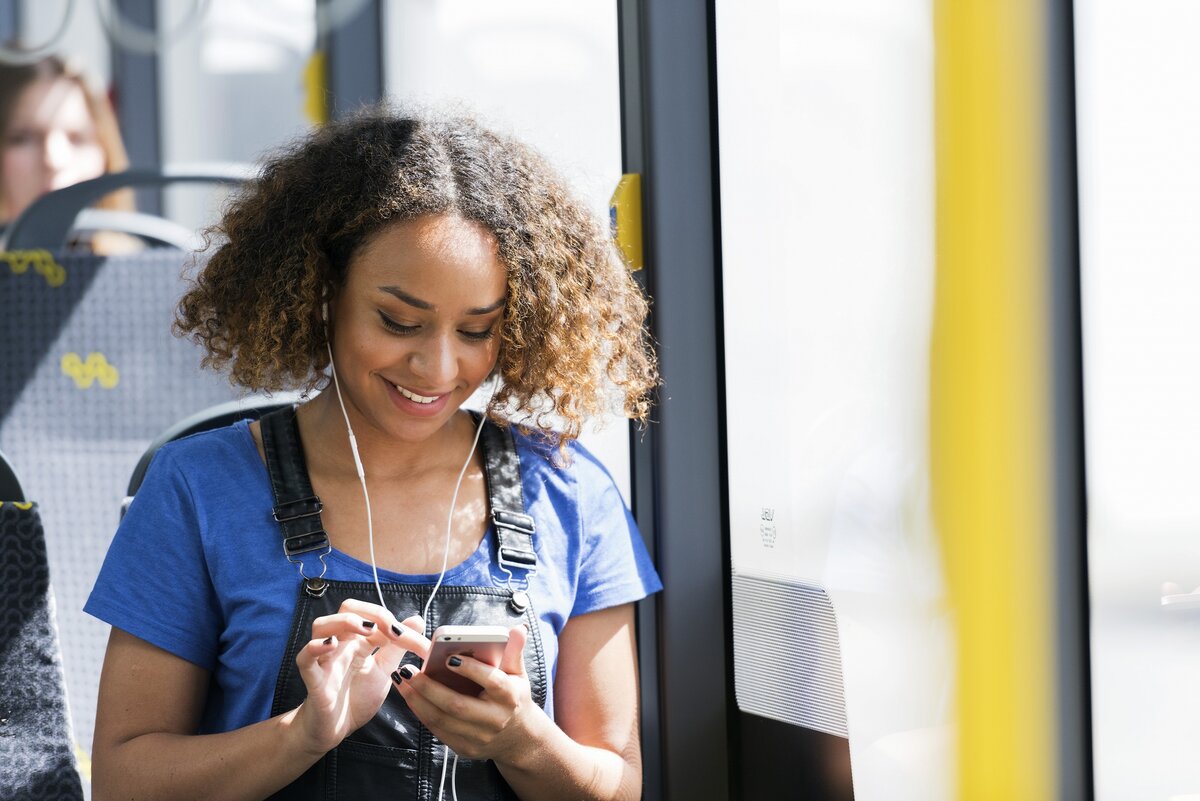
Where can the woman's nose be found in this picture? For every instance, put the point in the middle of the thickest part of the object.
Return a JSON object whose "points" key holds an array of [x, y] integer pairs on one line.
{"points": [[435, 361], [56, 149]]}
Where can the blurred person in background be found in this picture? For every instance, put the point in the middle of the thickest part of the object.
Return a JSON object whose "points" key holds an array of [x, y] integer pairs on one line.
{"points": [[58, 129]]}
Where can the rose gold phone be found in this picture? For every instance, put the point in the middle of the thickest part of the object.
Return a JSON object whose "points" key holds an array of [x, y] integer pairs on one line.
{"points": [[485, 643]]}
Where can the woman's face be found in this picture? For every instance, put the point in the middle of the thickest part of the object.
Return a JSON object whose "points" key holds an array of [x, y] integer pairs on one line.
{"points": [[51, 142], [415, 328]]}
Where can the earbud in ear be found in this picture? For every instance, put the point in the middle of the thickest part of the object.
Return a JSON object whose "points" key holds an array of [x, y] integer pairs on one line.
{"points": [[324, 311]]}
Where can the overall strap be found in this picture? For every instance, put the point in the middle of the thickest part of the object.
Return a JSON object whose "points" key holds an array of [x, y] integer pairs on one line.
{"points": [[297, 508], [514, 528]]}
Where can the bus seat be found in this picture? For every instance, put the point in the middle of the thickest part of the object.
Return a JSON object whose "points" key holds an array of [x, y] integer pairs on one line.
{"points": [[89, 376], [37, 753], [10, 485], [49, 220], [222, 414]]}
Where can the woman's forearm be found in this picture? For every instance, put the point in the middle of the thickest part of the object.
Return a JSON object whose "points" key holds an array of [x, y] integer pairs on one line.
{"points": [[560, 769], [248, 763]]}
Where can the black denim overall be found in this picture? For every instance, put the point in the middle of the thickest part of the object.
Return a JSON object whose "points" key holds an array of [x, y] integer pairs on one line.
{"points": [[393, 756]]}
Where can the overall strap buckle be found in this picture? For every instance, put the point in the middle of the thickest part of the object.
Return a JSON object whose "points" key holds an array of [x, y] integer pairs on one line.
{"points": [[297, 508], [514, 534], [294, 510], [514, 528]]}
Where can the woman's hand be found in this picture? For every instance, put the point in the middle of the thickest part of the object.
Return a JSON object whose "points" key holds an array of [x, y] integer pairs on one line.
{"points": [[496, 724], [346, 669]]}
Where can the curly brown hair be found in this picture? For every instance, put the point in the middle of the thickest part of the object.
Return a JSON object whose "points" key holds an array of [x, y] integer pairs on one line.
{"points": [[574, 336]]}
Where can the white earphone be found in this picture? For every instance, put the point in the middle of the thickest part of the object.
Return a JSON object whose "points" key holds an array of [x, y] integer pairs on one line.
{"points": [[362, 478]]}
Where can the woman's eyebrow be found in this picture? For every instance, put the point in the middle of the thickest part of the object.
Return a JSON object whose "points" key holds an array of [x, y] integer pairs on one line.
{"points": [[396, 291], [399, 293], [488, 309]]}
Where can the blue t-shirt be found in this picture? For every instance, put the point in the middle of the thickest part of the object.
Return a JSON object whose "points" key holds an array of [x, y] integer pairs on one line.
{"points": [[197, 566]]}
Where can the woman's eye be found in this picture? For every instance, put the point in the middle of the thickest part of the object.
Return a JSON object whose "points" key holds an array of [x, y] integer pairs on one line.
{"points": [[402, 329], [395, 327], [479, 336], [20, 138]]}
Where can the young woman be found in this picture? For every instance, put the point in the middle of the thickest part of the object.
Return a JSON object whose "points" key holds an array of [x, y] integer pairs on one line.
{"points": [[56, 129], [274, 585]]}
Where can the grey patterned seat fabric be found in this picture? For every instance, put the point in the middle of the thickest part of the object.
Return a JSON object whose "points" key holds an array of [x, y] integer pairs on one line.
{"points": [[90, 375], [37, 759]]}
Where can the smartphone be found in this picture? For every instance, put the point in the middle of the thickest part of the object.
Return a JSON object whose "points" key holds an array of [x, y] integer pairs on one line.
{"points": [[485, 643]]}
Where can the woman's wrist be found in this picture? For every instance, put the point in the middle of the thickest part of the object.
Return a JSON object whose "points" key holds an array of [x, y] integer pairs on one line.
{"points": [[537, 735], [553, 765], [298, 738]]}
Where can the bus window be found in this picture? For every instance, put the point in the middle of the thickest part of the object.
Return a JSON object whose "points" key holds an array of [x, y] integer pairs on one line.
{"points": [[1139, 169], [241, 82], [826, 156]]}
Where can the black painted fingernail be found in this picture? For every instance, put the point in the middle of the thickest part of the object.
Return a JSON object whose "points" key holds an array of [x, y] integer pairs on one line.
{"points": [[377, 647], [368, 624], [327, 641], [399, 632], [396, 677], [407, 671], [455, 661]]}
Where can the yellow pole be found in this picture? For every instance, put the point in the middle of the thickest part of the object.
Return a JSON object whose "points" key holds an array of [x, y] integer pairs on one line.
{"points": [[990, 397]]}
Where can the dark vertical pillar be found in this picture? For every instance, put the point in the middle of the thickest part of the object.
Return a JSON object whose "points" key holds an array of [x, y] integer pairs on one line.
{"points": [[641, 442], [136, 78], [1073, 681], [355, 51], [678, 473]]}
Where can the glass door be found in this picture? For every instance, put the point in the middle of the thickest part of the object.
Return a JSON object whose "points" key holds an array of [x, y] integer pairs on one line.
{"points": [[840, 622], [1139, 171]]}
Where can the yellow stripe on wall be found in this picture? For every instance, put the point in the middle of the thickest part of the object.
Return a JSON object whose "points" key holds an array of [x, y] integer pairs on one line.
{"points": [[990, 398]]}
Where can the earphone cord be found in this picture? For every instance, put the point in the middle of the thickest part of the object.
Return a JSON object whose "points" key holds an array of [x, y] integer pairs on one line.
{"points": [[362, 479], [442, 575], [453, 773], [450, 518]]}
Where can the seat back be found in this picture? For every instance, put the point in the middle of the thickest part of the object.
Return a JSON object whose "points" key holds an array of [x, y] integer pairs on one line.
{"points": [[49, 220], [10, 485], [37, 753], [218, 416], [90, 375]]}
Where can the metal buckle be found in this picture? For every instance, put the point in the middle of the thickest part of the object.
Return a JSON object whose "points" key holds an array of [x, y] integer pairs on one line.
{"points": [[313, 585], [303, 543], [520, 562], [306, 507], [513, 520]]}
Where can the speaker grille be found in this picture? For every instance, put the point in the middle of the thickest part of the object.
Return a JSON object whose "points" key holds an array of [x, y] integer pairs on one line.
{"points": [[787, 664]]}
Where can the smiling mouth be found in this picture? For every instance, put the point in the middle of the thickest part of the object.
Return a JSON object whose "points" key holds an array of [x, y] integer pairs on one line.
{"points": [[414, 397]]}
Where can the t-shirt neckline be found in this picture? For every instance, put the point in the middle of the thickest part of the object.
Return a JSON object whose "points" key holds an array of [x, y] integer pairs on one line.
{"points": [[482, 552]]}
